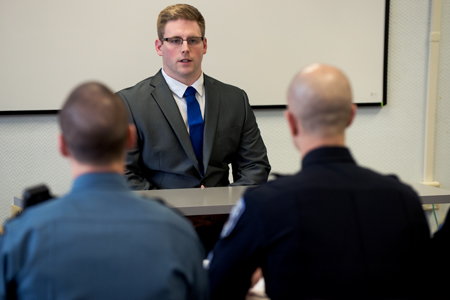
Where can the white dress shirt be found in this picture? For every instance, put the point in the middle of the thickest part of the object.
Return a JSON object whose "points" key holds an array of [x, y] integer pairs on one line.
{"points": [[178, 90]]}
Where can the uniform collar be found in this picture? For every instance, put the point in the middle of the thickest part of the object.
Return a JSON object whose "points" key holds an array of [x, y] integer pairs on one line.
{"points": [[106, 180], [327, 155]]}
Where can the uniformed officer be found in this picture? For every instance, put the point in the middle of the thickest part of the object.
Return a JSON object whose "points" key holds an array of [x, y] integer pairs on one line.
{"points": [[333, 230], [100, 241], [440, 248]]}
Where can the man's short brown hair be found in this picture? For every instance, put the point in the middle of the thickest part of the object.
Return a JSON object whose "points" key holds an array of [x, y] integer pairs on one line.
{"points": [[94, 124], [179, 12]]}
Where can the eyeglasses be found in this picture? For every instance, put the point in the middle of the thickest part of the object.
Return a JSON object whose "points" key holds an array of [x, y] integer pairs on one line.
{"points": [[177, 41]]}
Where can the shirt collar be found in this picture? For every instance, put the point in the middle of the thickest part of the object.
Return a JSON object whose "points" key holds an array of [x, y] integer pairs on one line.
{"points": [[327, 155], [101, 180], [179, 88]]}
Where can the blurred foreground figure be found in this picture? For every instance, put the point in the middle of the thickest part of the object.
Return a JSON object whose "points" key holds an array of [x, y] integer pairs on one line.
{"points": [[440, 249], [333, 230], [100, 241]]}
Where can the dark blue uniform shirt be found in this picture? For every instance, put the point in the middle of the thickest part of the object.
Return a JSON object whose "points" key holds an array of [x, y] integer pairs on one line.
{"points": [[333, 230]]}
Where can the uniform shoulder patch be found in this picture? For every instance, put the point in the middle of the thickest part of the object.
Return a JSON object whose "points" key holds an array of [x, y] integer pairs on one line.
{"points": [[235, 215]]}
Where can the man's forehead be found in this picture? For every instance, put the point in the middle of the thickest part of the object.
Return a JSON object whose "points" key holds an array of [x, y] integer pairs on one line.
{"points": [[182, 26]]}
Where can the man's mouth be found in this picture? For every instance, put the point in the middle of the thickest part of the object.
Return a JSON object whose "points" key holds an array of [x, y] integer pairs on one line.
{"points": [[185, 60]]}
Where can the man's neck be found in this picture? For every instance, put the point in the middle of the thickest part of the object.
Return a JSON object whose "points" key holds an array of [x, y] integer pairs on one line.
{"points": [[186, 81], [310, 143], [79, 169]]}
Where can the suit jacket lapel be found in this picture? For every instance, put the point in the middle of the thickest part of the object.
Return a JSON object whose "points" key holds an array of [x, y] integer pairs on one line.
{"points": [[212, 106], [163, 96]]}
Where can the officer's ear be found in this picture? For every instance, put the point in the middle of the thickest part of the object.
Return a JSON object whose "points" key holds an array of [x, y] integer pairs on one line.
{"points": [[131, 137], [62, 146], [292, 123], [353, 114]]}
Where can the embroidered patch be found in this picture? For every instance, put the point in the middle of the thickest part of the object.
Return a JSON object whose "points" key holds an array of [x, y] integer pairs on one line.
{"points": [[235, 214]]}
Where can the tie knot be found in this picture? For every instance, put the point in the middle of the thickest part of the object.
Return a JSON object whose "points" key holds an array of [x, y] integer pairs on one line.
{"points": [[190, 91]]}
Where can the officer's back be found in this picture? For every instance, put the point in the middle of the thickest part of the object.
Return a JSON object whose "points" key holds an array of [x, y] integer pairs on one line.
{"points": [[100, 241], [332, 231]]}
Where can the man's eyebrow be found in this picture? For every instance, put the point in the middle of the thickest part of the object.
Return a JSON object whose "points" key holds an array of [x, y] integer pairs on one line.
{"points": [[170, 37]]}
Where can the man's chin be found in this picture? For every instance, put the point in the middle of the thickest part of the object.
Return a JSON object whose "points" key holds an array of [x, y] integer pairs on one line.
{"points": [[189, 74]]}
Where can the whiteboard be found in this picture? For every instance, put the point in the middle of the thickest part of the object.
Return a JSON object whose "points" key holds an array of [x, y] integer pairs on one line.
{"points": [[50, 46]]}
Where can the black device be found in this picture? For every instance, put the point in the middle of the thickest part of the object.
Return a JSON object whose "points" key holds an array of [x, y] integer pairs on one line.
{"points": [[35, 195]]}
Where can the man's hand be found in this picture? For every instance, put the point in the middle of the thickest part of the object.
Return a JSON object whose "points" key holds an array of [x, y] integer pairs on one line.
{"points": [[257, 275]]}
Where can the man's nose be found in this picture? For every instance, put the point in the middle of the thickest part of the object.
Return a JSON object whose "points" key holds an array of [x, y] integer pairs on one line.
{"points": [[184, 46]]}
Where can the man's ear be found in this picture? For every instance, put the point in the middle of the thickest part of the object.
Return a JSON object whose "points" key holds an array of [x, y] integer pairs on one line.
{"points": [[131, 137], [62, 145], [353, 114], [158, 45], [205, 45], [292, 123]]}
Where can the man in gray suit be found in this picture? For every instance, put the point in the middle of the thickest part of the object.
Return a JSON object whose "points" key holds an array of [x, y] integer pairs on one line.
{"points": [[184, 143]]}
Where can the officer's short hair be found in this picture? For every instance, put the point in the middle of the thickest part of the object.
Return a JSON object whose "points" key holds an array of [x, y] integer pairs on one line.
{"points": [[94, 124]]}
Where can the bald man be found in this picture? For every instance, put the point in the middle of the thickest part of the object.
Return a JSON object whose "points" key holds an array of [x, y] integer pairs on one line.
{"points": [[100, 241], [333, 230]]}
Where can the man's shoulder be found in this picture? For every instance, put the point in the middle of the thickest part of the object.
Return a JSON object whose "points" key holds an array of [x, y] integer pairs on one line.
{"points": [[382, 181], [96, 206], [222, 85], [33, 217], [143, 84], [160, 211], [142, 88], [356, 178], [283, 185]]}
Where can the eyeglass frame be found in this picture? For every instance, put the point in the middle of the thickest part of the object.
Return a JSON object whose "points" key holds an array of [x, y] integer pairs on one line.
{"points": [[182, 40]]}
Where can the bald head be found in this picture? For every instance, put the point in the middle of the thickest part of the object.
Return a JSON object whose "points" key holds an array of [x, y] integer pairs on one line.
{"points": [[94, 124], [320, 99]]}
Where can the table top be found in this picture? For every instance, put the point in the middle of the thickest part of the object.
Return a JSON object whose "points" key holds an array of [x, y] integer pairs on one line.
{"points": [[430, 194], [220, 200], [197, 201]]}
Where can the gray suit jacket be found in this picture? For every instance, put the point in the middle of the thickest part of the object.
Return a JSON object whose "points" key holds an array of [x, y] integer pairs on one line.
{"points": [[164, 157]]}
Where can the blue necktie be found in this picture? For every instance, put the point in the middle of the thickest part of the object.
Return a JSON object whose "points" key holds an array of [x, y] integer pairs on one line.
{"points": [[195, 121]]}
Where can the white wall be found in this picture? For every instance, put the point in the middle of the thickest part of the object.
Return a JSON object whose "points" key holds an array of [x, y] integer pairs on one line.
{"points": [[75, 41], [388, 139], [442, 136]]}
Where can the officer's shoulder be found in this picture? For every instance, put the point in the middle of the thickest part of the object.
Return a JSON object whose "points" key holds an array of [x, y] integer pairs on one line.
{"points": [[161, 204], [32, 217], [385, 182], [396, 182], [281, 184]]}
